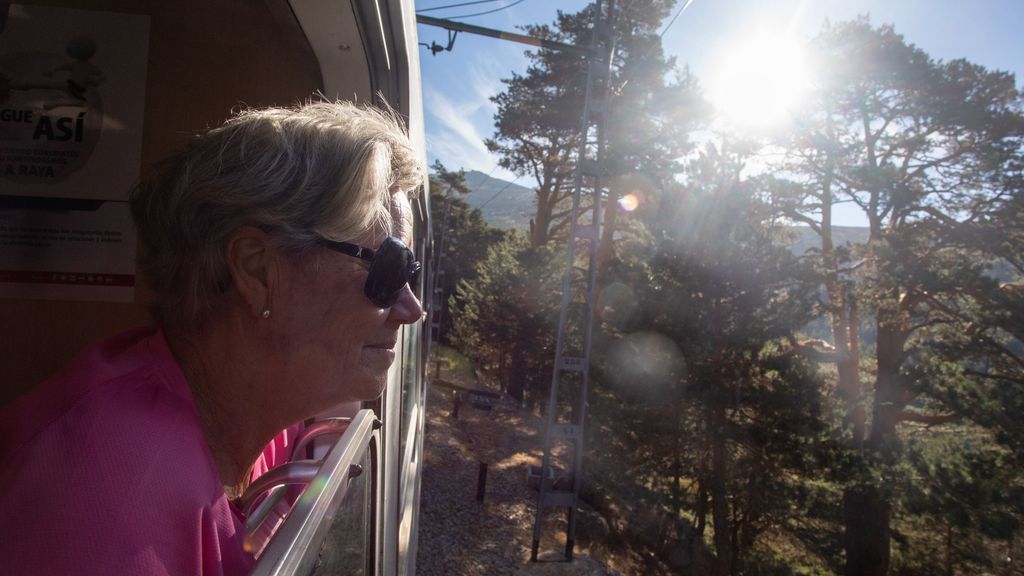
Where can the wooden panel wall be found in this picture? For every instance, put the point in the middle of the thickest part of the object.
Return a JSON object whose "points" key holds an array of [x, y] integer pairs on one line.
{"points": [[205, 58]]}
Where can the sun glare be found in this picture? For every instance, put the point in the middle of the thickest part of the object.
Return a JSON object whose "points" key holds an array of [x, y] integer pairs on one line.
{"points": [[629, 202], [760, 81]]}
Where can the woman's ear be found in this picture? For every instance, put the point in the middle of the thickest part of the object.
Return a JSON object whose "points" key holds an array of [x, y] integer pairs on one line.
{"points": [[250, 259]]}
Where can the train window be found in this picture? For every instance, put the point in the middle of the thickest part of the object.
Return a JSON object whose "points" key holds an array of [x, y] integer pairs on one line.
{"points": [[347, 548], [411, 354], [332, 529], [410, 390]]}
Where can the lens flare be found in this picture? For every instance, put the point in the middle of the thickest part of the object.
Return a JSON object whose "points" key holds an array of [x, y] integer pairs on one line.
{"points": [[617, 304], [646, 363], [629, 202]]}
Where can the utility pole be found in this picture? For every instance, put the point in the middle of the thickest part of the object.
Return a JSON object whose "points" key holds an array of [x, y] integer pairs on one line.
{"points": [[572, 351]]}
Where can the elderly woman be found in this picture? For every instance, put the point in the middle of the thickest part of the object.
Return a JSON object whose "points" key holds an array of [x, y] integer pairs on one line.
{"points": [[275, 245]]}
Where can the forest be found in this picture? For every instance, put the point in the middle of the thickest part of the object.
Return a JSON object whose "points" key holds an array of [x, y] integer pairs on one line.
{"points": [[849, 408]]}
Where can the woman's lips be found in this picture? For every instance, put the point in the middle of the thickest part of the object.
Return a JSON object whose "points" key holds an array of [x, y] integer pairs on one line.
{"points": [[381, 354], [383, 345]]}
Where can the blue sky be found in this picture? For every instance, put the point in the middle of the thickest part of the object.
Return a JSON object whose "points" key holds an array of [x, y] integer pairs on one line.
{"points": [[457, 84]]}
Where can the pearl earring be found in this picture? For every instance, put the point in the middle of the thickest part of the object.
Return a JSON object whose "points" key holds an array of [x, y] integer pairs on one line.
{"points": [[265, 314]]}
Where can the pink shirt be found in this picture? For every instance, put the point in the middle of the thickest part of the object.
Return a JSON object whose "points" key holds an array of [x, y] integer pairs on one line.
{"points": [[104, 470]]}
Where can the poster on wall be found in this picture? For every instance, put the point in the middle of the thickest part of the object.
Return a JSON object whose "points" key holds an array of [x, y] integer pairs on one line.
{"points": [[72, 99]]}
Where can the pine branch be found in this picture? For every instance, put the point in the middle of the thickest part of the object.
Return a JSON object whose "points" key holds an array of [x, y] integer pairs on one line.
{"points": [[818, 350], [999, 377], [928, 420]]}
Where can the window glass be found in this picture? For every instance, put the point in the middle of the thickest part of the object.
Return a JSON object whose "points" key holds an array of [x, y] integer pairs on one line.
{"points": [[347, 549], [410, 378], [410, 360]]}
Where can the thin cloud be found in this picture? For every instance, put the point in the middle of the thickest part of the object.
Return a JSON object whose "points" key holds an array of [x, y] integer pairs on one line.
{"points": [[456, 140], [458, 121], [454, 152], [453, 115], [485, 80]]}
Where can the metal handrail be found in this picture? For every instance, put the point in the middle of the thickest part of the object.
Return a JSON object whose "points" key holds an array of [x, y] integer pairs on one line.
{"points": [[254, 519], [298, 471], [318, 429], [274, 481], [303, 531]]}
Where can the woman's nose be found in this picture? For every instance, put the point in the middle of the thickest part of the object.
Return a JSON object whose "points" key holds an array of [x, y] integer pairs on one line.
{"points": [[407, 308]]}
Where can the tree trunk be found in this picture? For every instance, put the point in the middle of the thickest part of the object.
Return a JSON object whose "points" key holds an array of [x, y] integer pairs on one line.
{"points": [[517, 378], [949, 549], [606, 247], [845, 327], [677, 465], [503, 368], [719, 492], [1009, 556], [540, 226], [734, 565], [867, 531], [702, 502], [868, 512], [529, 384]]}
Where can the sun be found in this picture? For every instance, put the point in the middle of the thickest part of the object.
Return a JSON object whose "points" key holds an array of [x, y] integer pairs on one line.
{"points": [[760, 81]]}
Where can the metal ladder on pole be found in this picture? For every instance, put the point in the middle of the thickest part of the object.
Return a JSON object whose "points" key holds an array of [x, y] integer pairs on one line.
{"points": [[563, 439]]}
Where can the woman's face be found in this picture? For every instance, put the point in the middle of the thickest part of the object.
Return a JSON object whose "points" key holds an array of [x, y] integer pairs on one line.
{"points": [[334, 344]]}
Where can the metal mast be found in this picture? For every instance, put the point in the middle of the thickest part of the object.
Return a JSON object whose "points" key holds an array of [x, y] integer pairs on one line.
{"points": [[572, 352], [567, 404]]}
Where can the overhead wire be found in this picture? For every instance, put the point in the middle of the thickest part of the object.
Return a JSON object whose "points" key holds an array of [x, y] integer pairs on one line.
{"points": [[505, 7], [455, 5], [481, 207], [661, 35], [673, 21], [488, 177]]}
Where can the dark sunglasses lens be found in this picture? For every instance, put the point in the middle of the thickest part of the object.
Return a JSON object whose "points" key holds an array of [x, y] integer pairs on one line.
{"points": [[393, 267], [414, 276]]}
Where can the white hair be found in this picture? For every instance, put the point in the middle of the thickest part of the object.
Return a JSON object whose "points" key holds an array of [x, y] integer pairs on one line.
{"points": [[325, 169]]}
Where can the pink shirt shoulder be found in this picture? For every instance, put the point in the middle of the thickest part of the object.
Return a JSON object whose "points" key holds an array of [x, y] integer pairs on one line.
{"points": [[104, 470]]}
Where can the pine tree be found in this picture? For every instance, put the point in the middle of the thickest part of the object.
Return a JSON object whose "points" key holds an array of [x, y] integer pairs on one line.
{"points": [[730, 300], [505, 313], [924, 149], [653, 108], [461, 237]]}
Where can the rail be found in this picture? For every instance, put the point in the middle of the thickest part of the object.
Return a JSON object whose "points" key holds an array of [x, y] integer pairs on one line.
{"points": [[294, 548]]}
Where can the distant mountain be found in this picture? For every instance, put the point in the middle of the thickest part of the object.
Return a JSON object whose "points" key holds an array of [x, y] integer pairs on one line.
{"points": [[508, 205], [503, 204], [804, 238]]}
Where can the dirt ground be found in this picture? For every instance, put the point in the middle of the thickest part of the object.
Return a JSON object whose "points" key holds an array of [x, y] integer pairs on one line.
{"points": [[459, 535]]}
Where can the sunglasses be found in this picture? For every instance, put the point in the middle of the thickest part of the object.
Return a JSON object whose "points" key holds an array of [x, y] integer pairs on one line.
{"points": [[392, 266]]}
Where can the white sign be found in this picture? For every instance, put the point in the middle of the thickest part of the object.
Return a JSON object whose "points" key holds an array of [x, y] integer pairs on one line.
{"points": [[72, 100]]}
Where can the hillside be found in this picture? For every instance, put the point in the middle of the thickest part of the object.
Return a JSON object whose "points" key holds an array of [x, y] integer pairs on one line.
{"points": [[508, 205], [803, 238], [504, 204]]}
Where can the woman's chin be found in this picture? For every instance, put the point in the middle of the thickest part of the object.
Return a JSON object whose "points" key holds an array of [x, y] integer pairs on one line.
{"points": [[368, 381]]}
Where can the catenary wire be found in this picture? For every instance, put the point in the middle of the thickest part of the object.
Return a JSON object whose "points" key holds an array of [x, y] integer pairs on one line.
{"points": [[673, 21], [481, 207], [488, 177], [660, 36], [505, 7], [454, 5]]}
